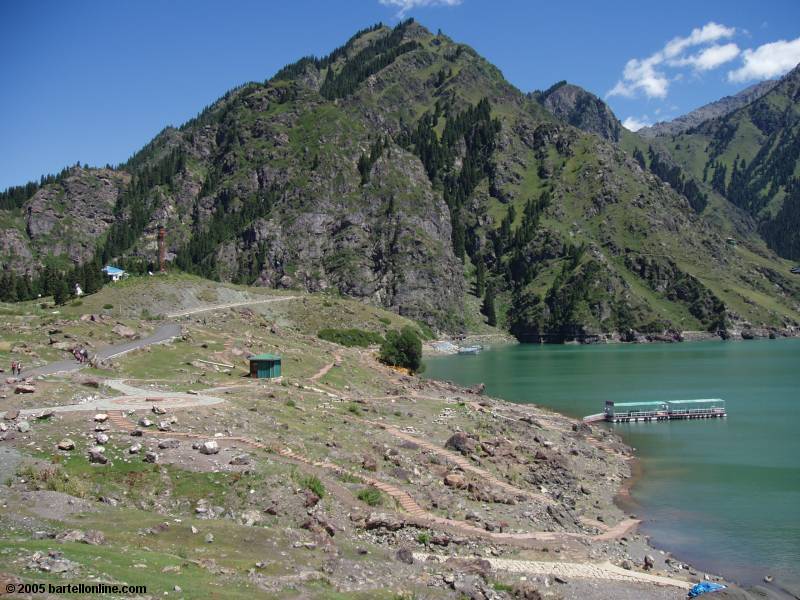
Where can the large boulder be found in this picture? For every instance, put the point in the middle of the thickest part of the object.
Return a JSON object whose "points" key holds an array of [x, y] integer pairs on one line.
{"points": [[461, 442], [97, 456], [383, 521], [66, 444], [455, 480], [210, 447], [124, 331]]}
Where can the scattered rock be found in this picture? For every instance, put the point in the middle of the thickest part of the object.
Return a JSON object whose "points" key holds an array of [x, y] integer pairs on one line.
{"points": [[210, 447], [478, 389], [368, 463], [101, 417], [150, 457], [24, 388], [101, 438], [123, 331], [649, 562], [168, 444], [145, 422], [135, 449], [455, 480], [240, 460], [461, 442], [66, 444], [23, 427], [164, 426], [157, 410], [209, 538], [96, 455], [311, 499], [405, 555], [92, 537], [526, 590], [383, 521]]}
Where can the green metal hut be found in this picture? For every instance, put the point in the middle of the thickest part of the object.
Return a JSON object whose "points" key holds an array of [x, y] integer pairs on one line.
{"points": [[265, 366]]}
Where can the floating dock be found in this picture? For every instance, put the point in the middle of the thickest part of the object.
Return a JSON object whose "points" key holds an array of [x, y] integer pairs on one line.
{"points": [[470, 349], [633, 412]]}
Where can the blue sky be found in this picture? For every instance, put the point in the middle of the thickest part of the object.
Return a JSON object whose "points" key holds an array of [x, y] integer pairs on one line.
{"points": [[93, 81]]}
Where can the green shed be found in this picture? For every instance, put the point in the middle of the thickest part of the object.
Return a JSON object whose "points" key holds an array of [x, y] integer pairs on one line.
{"points": [[265, 366]]}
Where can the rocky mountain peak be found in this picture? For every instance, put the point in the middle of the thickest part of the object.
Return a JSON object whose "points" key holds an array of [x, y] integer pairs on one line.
{"points": [[574, 105]]}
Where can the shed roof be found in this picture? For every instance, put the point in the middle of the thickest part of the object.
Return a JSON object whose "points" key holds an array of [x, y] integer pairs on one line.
{"points": [[265, 357], [698, 401], [113, 270], [656, 403]]}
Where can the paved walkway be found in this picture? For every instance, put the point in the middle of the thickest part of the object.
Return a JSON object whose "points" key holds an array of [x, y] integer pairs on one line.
{"points": [[194, 311], [132, 399], [163, 334], [568, 570]]}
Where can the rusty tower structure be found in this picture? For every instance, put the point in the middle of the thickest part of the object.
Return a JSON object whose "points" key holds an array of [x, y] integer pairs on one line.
{"points": [[162, 249]]}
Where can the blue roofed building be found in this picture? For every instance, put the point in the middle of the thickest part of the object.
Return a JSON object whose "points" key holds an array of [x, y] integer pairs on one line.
{"points": [[114, 273]]}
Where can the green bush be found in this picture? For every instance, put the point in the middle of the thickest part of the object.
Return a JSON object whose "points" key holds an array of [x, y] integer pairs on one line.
{"points": [[424, 538], [371, 496], [350, 337], [385, 320], [313, 483], [108, 306], [402, 349]]}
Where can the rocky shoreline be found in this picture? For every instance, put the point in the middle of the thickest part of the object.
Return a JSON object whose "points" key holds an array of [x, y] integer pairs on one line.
{"points": [[449, 345]]}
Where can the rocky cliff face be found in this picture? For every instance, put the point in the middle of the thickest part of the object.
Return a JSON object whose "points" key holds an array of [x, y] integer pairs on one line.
{"points": [[64, 219]]}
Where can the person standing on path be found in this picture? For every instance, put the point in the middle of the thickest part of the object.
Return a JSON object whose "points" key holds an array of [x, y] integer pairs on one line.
{"points": [[14, 368]]}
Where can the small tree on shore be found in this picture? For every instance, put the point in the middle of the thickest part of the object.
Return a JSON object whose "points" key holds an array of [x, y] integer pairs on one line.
{"points": [[402, 349]]}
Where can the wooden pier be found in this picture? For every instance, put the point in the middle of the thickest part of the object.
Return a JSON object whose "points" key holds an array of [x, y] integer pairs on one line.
{"points": [[671, 410]]}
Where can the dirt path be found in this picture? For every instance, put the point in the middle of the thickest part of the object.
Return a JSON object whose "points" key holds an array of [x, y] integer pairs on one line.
{"points": [[605, 571], [457, 459], [324, 370], [193, 311]]}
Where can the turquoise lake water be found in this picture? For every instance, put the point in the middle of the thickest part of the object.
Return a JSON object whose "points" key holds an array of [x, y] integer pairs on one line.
{"points": [[723, 494]]}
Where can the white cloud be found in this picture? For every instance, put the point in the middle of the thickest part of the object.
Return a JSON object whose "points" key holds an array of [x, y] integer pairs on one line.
{"points": [[710, 32], [647, 75], [635, 123], [769, 60], [710, 58], [404, 6]]}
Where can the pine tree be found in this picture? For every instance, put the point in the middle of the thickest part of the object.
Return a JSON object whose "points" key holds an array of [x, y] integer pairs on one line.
{"points": [[61, 291], [488, 305], [480, 276]]}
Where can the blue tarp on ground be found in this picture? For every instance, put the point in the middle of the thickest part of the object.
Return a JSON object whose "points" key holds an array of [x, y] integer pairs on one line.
{"points": [[703, 587]]}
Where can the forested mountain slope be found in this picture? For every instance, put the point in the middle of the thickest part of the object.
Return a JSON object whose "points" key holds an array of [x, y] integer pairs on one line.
{"points": [[752, 157], [405, 170]]}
